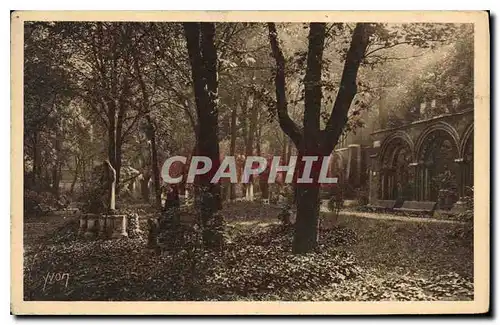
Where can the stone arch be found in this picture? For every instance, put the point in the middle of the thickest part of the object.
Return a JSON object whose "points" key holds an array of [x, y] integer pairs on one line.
{"points": [[465, 140], [441, 127], [397, 153], [398, 136], [437, 152]]}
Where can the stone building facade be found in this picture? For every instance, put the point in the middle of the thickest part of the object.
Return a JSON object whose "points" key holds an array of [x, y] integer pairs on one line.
{"points": [[429, 159], [421, 160]]}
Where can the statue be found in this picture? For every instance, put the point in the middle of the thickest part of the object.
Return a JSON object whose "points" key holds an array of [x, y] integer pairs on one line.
{"points": [[110, 181]]}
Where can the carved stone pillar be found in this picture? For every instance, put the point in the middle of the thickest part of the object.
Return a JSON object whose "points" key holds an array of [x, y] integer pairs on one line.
{"points": [[383, 184], [460, 176], [374, 180], [414, 167]]}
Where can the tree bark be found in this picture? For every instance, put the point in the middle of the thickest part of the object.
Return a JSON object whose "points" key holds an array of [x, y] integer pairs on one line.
{"points": [[305, 239], [286, 123], [312, 141], [75, 175], [252, 110], [154, 163], [203, 61], [151, 131], [232, 148], [348, 87], [37, 167]]}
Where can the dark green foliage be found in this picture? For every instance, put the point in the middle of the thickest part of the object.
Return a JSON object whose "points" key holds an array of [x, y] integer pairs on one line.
{"points": [[96, 196], [39, 203]]}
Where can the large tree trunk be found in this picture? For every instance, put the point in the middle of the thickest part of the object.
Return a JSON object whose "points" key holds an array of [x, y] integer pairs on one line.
{"points": [[313, 141], [204, 73], [306, 225]]}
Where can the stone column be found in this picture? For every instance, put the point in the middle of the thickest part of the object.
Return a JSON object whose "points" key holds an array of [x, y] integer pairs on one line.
{"points": [[416, 174], [382, 184], [374, 179], [460, 176]]}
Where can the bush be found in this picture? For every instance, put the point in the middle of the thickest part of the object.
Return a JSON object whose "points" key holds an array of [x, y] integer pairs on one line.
{"points": [[468, 200], [38, 203], [362, 196]]}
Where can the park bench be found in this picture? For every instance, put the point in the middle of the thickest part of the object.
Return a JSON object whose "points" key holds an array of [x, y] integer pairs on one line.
{"points": [[417, 206], [382, 205]]}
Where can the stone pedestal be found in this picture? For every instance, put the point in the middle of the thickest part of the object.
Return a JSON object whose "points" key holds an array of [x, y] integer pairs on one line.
{"points": [[92, 225], [107, 226], [83, 225], [102, 226], [119, 226]]}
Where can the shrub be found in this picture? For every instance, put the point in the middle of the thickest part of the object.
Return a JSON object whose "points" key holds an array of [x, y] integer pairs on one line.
{"points": [[362, 196], [38, 203], [468, 200]]}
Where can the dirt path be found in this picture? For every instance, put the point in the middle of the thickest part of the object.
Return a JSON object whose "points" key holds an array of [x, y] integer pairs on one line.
{"points": [[395, 217]]}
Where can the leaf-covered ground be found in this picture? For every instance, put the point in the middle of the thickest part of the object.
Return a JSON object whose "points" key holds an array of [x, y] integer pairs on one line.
{"points": [[358, 259]]}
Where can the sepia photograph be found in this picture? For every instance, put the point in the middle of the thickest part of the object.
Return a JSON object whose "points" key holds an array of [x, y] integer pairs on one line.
{"points": [[234, 157]]}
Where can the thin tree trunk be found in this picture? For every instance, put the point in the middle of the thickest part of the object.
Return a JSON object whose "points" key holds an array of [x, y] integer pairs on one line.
{"points": [[252, 109], [232, 149], [154, 162], [263, 181], [112, 133], [56, 172], [151, 132], [75, 175], [37, 170]]}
